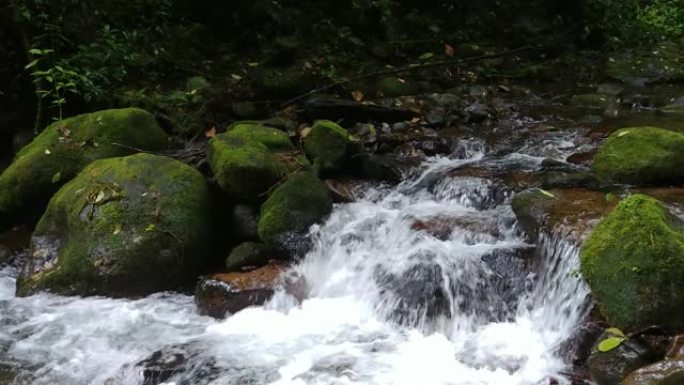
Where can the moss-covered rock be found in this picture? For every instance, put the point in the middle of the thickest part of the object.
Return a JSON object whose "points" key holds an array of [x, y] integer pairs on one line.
{"points": [[274, 139], [292, 208], [250, 158], [327, 145], [247, 254], [641, 155], [123, 226], [66, 147], [634, 263], [283, 82]]}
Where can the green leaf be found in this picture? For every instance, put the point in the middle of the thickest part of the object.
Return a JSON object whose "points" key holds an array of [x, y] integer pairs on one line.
{"points": [[548, 194], [610, 343], [31, 64], [426, 56], [616, 332], [56, 177], [150, 227]]}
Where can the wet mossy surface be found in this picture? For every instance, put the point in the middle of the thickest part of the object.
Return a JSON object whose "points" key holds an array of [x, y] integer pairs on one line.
{"points": [[641, 155], [123, 227], [327, 145], [67, 146], [292, 208], [634, 263]]}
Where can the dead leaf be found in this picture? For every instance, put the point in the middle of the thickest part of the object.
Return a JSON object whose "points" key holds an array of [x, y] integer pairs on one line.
{"points": [[415, 120], [210, 133], [357, 95], [305, 132], [448, 50]]}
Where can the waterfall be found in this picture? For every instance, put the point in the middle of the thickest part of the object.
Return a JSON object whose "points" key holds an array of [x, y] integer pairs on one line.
{"points": [[426, 282]]}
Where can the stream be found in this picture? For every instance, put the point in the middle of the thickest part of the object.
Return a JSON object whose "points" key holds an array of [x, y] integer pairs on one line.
{"points": [[390, 300]]}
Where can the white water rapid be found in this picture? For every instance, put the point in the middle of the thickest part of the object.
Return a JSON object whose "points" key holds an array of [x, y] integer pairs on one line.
{"points": [[423, 283]]}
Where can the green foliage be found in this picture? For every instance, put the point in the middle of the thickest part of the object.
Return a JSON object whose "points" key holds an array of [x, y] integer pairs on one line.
{"points": [[615, 338]]}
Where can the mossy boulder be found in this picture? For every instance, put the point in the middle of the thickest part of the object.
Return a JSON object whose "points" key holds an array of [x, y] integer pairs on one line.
{"points": [[65, 147], [641, 155], [247, 254], [249, 159], [327, 145], [292, 208], [634, 264], [125, 226]]}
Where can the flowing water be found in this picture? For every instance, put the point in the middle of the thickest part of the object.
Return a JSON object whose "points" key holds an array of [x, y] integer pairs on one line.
{"points": [[427, 282]]}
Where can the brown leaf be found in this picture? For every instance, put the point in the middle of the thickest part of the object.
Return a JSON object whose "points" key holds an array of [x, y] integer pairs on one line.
{"points": [[305, 132], [448, 50], [357, 95], [210, 133], [415, 120]]}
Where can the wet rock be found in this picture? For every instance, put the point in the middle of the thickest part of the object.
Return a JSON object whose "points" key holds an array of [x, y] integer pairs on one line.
{"points": [[574, 212], [281, 123], [449, 102], [613, 89], [219, 294], [632, 262], [420, 293], [611, 367], [292, 208], [676, 348], [666, 372], [12, 242], [558, 179], [550, 164], [249, 159], [401, 127], [362, 129], [123, 227], [676, 110], [435, 117], [65, 147], [247, 255], [338, 109], [441, 227], [162, 365], [478, 112], [641, 155], [327, 146], [282, 81], [343, 190]]}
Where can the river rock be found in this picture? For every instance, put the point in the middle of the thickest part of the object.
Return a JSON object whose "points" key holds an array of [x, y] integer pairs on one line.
{"points": [[250, 159], [327, 145], [641, 155], [594, 101], [223, 293], [244, 222], [292, 208], [611, 367], [572, 211], [123, 227], [392, 87], [65, 147], [634, 264], [666, 372], [247, 255]]}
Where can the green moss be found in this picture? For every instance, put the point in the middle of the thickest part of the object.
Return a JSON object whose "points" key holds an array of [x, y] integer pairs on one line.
{"points": [[293, 207], [123, 226], [641, 155], [247, 254], [244, 169], [634, 263], [66, 147], [274, 139], [327, 145]]}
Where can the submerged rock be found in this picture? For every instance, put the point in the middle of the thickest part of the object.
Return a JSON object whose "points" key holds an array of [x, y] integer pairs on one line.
{"points": [[641, 155], [67, 146], [292, 208], [610, 367], [219, 294], [123, 227], [634, 263]]}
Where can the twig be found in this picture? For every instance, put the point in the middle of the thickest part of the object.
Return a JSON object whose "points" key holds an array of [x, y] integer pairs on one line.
{"points": [[407, 68], [176, 155]]}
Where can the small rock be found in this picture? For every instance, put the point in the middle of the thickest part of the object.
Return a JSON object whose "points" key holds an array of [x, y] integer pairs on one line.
{"points": [[400, 127], [611, 367], [219, 294], [435, 117], [361, 129]]}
